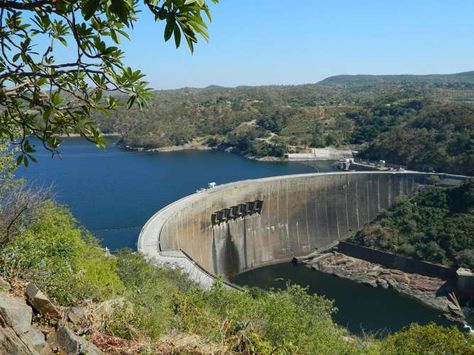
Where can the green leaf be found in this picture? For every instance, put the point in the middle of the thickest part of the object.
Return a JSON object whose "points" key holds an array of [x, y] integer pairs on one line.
{"points": [[89, 7], [56, 98], [121, 9], [177, 36], [169, 28], [20, 160], [114, 36]]}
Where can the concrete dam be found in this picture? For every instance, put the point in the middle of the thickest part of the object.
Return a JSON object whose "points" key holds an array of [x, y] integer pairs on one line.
{"points": [[244, 225]]}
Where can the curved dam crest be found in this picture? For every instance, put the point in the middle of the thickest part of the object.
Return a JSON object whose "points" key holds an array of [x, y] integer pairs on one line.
{"points": [[244, 225]]}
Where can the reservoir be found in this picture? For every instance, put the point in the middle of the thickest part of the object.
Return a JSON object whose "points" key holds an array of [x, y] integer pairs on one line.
{"points": [[114, 192]]}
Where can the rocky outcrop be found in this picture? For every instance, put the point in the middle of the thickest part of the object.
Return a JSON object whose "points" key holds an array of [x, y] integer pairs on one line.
{"points": [[17, 334], [20, 336], [41, 303], [74, 344], [429, 290], [16, 313]]}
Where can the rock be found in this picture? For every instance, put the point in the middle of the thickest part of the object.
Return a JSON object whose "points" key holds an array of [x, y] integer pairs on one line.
{"points": [[35, 339], [41, 302], [16, 313], [392, 282], [370, 282], [382, 283], [4, 285], [374, 273], [11, 344], [76, 314], [73, 344], [401, 278]]}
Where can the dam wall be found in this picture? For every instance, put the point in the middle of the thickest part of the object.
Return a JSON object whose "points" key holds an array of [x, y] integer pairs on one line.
{"points": [[248, 224]]}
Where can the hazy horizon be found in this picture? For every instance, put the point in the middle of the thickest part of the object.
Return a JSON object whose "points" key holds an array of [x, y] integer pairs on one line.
{"points": [[308, 83]]}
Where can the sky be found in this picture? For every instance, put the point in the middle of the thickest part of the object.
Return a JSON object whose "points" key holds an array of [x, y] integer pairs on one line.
{"points": [[261, 42]]}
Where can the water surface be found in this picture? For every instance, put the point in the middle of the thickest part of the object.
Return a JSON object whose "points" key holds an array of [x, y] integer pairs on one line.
{"points": [[361, 308]]}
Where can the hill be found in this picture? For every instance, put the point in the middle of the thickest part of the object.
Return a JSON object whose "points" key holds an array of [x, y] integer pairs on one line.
{"points": [[263, 121], [459, 80]]}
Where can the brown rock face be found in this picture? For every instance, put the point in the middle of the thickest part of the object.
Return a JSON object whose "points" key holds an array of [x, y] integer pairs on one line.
{"points": [[41, 303]]}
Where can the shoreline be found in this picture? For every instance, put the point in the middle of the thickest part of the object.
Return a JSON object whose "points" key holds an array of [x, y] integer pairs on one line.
{"points": [[77, 135], [233, 150], [424, 289], [200, 147]]}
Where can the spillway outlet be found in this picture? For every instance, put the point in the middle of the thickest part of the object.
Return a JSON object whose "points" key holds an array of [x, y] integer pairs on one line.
{"points": [[238, 211]]}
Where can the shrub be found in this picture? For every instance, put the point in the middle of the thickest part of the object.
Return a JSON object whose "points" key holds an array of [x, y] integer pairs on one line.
{"points": [[465, 258], [289, 321], [150, 291], [428, 339], [53, 253]]}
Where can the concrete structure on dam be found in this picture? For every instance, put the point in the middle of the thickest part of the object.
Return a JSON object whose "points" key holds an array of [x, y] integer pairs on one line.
{"points": [[248, 224]]}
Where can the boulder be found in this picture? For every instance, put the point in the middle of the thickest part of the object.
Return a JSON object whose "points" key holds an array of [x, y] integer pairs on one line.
{"points": [[11, 344], [73, 344], [76, 315], [41, 302], [382, 283], [16, 313], [35, 339]]}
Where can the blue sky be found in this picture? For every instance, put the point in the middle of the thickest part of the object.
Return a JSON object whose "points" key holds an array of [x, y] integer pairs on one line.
{"points": [[257, 42]]}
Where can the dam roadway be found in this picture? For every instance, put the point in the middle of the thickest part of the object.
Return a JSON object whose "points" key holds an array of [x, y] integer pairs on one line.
{"points": [[247, 224]]}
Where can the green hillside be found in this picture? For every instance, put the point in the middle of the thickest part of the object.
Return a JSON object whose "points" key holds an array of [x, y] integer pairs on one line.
{"points": [[381, 121], [465, 79]]}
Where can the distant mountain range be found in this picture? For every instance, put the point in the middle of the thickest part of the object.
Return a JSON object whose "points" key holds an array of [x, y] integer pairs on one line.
{"points": [[465, 78]]}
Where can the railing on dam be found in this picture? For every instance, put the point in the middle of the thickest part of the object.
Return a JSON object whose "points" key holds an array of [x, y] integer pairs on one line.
{"points": [[297, 214]]}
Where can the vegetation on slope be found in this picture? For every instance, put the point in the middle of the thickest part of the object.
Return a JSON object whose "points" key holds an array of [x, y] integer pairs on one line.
{"points": [[437, 137], [435, 225]]}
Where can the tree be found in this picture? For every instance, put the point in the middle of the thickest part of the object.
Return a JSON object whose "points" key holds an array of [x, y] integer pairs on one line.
{"points": [[45, 97]]}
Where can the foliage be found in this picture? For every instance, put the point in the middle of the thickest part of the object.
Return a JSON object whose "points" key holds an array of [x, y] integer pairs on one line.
{"points": [[150, 290], [17, 201], [373, 120], [63, 260], [440, 137], [428, 339], [46, 97], [435, 225], [285, 321]]}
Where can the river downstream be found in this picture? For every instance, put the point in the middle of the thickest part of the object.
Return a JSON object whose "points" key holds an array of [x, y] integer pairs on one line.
{"points": [[114, 192]]}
